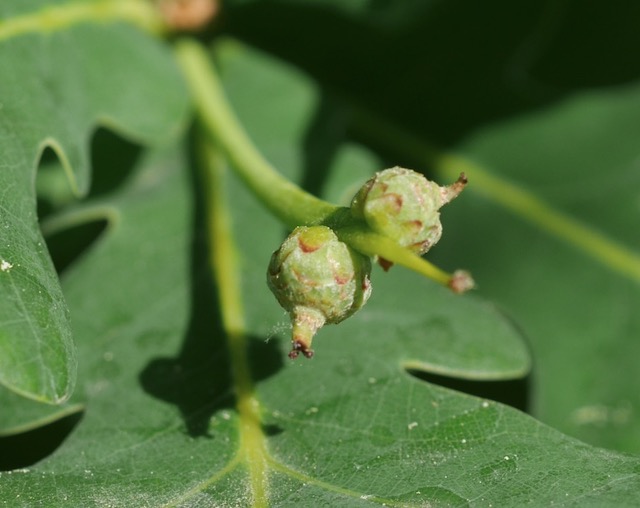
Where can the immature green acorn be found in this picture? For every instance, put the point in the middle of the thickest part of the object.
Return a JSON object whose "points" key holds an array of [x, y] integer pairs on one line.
{"points": [[318, 280], [403, 205]]}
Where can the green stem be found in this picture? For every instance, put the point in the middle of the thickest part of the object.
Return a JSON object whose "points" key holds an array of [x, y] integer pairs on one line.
{"points": [[286, 200], [372, 244]]}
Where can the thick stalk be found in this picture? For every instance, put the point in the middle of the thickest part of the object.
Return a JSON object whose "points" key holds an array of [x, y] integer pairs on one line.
{"points": [[286, 200]]}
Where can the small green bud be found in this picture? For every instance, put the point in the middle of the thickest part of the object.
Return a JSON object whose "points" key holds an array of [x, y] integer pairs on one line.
{"points": [[318, 280], [403, 205]]}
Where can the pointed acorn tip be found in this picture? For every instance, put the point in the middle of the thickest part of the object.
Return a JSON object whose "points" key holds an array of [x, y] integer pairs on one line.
{"points": [[450, 192]]}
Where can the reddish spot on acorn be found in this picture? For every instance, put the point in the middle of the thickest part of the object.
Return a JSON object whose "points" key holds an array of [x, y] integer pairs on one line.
{"points": [[306, 247]]}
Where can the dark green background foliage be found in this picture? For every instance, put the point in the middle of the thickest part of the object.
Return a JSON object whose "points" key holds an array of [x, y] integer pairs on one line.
{"points": [[421, 398]]}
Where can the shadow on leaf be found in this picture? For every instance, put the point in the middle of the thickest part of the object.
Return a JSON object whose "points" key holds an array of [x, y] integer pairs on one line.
{"points": [[198, 380], [321, 142], [512, 392], [69, 244], [27, 448]]}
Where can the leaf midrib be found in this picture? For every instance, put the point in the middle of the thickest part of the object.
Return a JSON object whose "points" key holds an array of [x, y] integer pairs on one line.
{"points": [[252, 449]]}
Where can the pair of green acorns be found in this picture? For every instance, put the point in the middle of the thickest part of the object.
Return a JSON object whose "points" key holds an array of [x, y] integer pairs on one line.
{"points": [[319, 279]]}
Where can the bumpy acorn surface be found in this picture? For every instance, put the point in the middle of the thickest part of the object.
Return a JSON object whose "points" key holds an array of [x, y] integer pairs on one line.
{"points": [[403, 205], [317, 279]]}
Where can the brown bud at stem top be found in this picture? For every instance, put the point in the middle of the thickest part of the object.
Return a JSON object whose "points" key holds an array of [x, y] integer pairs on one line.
{"points": [[188, 15]]}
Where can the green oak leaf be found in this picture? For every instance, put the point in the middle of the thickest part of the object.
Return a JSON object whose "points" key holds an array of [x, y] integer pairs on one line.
{"points": [[61, 79]]}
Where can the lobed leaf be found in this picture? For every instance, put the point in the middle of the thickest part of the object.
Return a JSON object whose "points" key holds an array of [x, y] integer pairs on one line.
{"points": [[61, 79]]}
